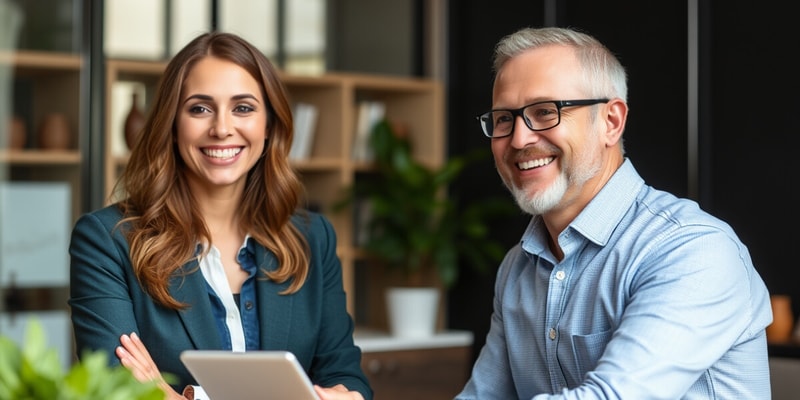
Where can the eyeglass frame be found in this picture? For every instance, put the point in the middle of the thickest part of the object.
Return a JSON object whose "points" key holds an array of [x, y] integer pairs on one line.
{"points": [[519, 113]]}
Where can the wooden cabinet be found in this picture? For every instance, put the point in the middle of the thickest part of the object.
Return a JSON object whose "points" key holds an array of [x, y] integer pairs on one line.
{"points": [[40, 85], [435, 368], [417, 103]]}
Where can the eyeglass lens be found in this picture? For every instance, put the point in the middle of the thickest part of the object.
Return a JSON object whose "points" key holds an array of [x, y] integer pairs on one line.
{"points": [[539, 116]]}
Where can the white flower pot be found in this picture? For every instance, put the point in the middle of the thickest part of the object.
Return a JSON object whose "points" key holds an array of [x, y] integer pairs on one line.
{"points": [[412, 311]]}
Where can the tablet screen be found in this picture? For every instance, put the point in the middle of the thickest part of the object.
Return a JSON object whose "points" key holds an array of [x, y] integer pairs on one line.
{"points": [[249, 375]]}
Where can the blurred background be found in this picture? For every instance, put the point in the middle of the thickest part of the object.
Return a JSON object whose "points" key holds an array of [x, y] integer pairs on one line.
{"points": [[712, 95]]}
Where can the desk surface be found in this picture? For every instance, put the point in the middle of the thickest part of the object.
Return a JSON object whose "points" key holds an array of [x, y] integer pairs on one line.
{"points": [[374, 341]]}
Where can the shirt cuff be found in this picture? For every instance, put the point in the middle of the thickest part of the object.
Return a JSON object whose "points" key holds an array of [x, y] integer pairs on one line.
{"points": [[192, 392]]}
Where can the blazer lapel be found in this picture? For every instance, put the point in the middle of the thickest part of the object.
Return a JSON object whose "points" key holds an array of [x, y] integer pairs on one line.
{"points": [[190, 288]]}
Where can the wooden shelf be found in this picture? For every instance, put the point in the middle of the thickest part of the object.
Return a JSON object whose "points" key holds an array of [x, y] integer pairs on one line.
{"points": [[318, 164], [40, 157], [41, 60], [45, 83]]}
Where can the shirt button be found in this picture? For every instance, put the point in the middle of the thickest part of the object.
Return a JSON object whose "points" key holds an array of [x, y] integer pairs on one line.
{"points": [[560, 275], [248, 305], [552, 334]]}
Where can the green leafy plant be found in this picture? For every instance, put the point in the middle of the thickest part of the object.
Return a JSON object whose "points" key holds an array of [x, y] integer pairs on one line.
{"points": [[413, 225], [34, 372]]}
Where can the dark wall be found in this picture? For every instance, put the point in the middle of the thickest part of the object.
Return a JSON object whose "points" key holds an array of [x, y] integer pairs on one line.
{"points": [[385, 42], [753, 128]]}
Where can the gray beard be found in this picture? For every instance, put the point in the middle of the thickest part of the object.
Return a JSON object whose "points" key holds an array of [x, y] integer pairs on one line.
{"points": [[550, 197], [543, 202]]}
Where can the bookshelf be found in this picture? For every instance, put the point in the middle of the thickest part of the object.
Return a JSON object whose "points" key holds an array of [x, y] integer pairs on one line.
{"points": [[44, 83], [40, 189]]}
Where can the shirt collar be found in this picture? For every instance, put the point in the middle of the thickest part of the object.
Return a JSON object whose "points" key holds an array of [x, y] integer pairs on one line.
{"points": [[604, 212], [600, 217], [249, 245]]}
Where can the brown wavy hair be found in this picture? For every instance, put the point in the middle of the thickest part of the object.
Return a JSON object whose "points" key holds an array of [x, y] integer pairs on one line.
{"points": [[162, 224]]}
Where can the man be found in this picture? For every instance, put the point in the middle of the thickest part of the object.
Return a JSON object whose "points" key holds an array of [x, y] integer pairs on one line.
{"points": [[616, 290]]}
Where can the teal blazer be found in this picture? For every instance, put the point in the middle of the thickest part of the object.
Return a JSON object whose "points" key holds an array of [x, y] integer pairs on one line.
{"points": [[107, 301]]}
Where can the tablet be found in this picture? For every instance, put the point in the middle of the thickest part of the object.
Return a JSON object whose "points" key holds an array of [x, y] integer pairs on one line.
{"points": [[249, 375]]}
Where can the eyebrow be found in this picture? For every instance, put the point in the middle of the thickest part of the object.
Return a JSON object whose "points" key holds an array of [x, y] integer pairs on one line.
{"points": [[206, 97]]}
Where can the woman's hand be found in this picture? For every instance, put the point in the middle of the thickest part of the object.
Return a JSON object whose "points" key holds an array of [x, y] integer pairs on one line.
{"points": [[134, 356], [338, 392]]}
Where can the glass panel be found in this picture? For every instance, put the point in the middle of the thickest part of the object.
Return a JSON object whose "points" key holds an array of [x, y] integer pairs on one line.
{"points": [[305, 37], [134, 29], [49, 25], [254, 20], [189, 18]]}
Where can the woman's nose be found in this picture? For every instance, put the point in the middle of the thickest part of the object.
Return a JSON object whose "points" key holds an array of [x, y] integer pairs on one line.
{"points": [[221, 127]]}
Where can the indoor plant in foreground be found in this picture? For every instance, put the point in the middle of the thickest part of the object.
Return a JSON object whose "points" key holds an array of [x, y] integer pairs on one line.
{"points": [[415, 228], [33, 372]]}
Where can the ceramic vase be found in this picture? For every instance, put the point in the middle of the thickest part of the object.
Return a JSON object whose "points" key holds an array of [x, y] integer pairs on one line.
{"points": [[18, 134], [782, 319], [54, 133], [412, 312], [134, 122]]}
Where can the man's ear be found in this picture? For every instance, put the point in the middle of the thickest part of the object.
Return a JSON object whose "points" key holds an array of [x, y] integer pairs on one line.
{"points": [[616, 114]]}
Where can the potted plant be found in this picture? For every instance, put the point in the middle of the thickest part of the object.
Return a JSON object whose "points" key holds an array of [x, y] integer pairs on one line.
{"points": [[415, 228], [34, 372]]}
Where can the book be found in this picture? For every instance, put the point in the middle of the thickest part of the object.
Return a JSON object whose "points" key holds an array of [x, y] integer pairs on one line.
{"points": [[369, 114], [362, 214], [305, 125]]}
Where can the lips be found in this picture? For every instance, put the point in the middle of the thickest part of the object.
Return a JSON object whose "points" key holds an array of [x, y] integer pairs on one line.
{"points": [[539, 162], [225, 153]]}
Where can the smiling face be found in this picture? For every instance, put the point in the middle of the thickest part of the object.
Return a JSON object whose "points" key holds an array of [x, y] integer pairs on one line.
{"points": [[221, 124], [555, 172]]}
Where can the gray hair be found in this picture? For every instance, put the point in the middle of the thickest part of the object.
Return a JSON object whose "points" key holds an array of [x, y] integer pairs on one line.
{"points": [[604, 75]]}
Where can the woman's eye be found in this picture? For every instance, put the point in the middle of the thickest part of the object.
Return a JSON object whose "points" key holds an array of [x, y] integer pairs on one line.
{"points": [[198, 109], [243, 108]]}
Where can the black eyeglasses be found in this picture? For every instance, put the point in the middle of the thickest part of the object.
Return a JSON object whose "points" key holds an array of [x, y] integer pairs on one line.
{"points": [[538, 116]]}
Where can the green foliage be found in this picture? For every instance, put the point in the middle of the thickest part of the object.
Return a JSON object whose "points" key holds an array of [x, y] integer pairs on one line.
{"points": [[34, 372], [413, 224]]}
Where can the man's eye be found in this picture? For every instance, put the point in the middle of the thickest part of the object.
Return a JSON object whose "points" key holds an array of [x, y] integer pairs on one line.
{"points": [[502, 118], [545, 113]]}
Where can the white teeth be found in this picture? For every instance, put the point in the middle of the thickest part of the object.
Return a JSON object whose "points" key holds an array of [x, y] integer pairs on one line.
{"points": [[535, 163], [222, 153]]}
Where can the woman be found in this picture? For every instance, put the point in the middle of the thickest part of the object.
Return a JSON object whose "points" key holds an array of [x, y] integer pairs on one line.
{"points": [[208, 249]]}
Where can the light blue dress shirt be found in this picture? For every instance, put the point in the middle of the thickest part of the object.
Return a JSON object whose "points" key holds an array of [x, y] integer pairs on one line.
{"points": [[654, 299]]}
